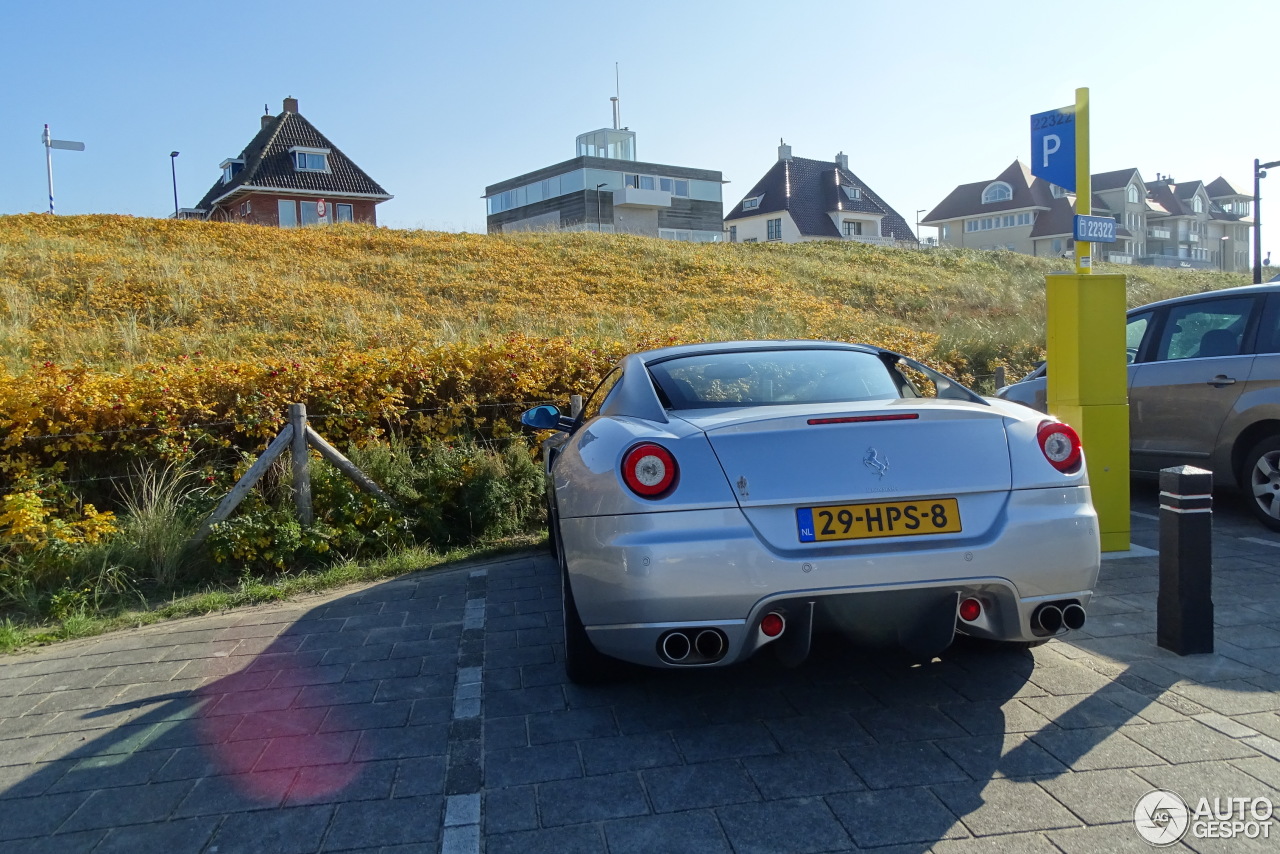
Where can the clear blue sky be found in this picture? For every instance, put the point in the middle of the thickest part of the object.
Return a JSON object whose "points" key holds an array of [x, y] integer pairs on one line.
{"points": [[435, 100]]}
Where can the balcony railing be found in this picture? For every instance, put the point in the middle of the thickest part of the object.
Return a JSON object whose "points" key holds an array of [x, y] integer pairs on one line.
{"points": [[870, 238], [1174, 262], [1158, 233], [1119, 258]]}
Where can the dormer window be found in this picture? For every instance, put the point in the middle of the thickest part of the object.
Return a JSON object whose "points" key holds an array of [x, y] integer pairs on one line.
{"points": [[1134, 198], [1056, 191], [997, 192], [1197, 205], [852, 192], [230, 168], [310, 159], [751, 203]]}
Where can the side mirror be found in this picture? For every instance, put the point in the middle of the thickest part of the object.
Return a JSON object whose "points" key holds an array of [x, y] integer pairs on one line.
{"points": [[542, 418]]}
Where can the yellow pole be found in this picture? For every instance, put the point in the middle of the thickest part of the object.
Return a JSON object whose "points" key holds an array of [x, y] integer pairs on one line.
{"points": [[1087, 383], [1084, 186]]}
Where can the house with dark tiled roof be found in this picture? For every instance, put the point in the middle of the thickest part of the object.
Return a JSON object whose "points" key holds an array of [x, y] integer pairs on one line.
{"points": [[290, 174], [1160, 223], [800, 199]]}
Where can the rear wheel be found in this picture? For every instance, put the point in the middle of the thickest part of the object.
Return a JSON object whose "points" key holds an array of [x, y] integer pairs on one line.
{"points": [[583, 663], [1261, 481]]}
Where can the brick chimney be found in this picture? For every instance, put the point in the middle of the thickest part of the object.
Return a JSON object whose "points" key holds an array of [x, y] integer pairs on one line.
{"points": [[291, 105], [267, 118]]}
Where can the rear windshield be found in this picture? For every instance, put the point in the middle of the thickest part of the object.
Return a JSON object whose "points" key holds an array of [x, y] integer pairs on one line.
{"points": [[775, 377]]}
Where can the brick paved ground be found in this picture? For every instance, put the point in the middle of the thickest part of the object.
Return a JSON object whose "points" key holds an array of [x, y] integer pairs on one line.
{"points": [[431, 713]]}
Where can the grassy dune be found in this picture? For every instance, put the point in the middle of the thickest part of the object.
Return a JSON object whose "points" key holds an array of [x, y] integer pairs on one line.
{"points": [[111, 293]]}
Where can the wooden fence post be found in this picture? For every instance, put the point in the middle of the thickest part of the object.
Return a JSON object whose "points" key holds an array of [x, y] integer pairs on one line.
{"points": [[344, 465], [301, 456], [242, 487], [297, 435]]}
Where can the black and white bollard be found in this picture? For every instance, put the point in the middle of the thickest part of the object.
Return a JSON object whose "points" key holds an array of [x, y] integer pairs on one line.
{"points": [[1184, 605]]}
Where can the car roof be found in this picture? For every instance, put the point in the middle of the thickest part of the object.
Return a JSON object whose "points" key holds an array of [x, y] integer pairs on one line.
{"points": [[1242, 290], [664, 353]]}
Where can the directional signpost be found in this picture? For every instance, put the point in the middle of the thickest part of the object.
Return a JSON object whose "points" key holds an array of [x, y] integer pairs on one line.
{"points": [[1087, 383], [49, 145]]}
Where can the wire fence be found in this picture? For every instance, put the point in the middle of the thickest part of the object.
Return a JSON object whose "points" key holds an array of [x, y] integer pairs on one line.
{"points": [[392, 422]]}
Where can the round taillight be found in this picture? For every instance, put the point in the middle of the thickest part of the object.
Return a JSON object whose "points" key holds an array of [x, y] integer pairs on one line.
{"points": [[1060, 445], [649, 470], [772, 624], [970, 610]]}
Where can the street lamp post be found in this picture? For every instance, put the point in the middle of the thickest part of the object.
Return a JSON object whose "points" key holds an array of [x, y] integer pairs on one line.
{"points": [[173, 169], [1259, 172], [1222, 252], [919, 240], [599, 216]]}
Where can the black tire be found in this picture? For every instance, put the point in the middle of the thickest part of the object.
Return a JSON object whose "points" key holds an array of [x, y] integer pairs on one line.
{"points": [[583, 663]]}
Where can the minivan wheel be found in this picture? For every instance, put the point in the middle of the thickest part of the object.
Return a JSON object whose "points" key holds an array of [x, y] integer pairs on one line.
{"points": [[1262, 481]]}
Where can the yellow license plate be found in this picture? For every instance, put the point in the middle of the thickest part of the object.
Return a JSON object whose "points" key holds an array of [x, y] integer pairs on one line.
{"points": [[882, 519]]}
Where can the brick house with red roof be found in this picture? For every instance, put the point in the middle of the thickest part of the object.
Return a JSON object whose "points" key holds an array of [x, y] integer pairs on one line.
{"points": [[288, 175]]}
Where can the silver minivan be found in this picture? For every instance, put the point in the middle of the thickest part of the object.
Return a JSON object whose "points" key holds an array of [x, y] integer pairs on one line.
{"points": [[1204, 389]]}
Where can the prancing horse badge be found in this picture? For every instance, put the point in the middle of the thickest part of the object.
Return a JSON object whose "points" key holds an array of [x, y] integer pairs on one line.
{"points": [[876, 463]]}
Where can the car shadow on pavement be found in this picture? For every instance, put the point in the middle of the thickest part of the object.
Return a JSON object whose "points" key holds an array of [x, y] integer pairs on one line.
{"points": [[335, 729]]}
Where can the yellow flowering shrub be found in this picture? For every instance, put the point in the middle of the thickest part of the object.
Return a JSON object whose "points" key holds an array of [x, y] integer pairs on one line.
{"points": [[132, 340]]}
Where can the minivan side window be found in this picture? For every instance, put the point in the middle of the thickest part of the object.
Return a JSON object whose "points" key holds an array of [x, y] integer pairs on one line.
{"points": [[1201, 330], [1134, 331], [1269, 328]]}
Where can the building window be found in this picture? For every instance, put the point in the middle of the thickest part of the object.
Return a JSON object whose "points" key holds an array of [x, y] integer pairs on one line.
{"points": [[752, 203], [1025, 218], [1056, 191], [1006, 221], [310, 216], [1057, 246], [1134, 198], [775, 229], [308, 161], [245, 208], [946, 232], [288, 213], [997, 192], [852, 227], [971, 225], [1197, 205], [733, 234], [343, 213], [852, 192], [750, 240]]}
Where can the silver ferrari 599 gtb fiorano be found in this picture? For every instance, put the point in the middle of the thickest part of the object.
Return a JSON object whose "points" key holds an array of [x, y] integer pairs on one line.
{"points": [[713, 499]]}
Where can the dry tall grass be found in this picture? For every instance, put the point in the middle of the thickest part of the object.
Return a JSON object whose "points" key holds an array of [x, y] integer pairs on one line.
{"points": [[114, 292]]}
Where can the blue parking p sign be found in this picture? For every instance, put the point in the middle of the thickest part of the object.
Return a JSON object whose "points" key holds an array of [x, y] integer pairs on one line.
{"points": [[1053, 147]]}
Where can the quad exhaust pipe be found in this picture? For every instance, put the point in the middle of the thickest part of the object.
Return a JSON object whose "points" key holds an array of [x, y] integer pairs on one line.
{"points": [[709, 644], [1073, 616], [676, 646], [1051, 617], [693, 646]]}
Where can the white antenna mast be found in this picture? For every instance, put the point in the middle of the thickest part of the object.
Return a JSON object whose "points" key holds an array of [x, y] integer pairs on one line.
{"points": [[617, 87], [49, 145]]}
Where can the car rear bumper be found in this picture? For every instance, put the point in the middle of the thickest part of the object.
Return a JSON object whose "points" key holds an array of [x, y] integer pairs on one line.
{"points": [[637, 577]]}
